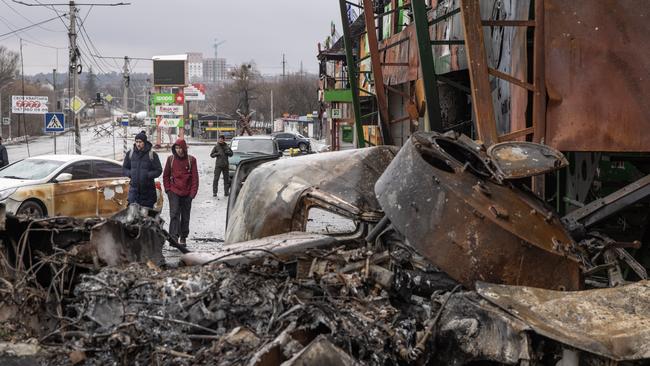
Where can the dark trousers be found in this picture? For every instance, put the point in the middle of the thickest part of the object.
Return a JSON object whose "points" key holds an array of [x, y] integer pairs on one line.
{"points": [[179, 215], [221, 170]]}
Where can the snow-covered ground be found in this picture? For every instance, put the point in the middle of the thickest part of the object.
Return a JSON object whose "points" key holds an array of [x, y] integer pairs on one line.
{"points": [[208, 219]]}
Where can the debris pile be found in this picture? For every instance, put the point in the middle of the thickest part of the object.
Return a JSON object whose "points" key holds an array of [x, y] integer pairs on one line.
{"points": [[451, 260], [239, 315]]}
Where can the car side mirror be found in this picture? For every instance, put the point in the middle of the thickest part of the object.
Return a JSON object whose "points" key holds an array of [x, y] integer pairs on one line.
{"points": [[63, 177]]}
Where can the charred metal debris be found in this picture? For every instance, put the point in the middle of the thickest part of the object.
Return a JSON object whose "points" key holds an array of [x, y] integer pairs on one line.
{"points": [[452, 261]]}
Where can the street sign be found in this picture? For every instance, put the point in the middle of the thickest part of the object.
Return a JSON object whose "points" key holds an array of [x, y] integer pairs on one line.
{"points": [[169, 110], [124, 121], [336, 113], [108, 98], [6, 121], [77, 104], [163, 98], [28, 104], [54, 122]]}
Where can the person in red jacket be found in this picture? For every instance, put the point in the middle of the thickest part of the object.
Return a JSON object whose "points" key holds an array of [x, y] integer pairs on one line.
{"points": [[181, 181]]}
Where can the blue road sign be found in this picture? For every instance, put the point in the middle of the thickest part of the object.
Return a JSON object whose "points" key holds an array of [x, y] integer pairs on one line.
{"points": [[54, 122], [124, 121]]}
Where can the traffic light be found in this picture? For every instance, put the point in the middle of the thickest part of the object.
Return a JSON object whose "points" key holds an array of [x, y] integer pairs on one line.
{"points": [[98, 97]]}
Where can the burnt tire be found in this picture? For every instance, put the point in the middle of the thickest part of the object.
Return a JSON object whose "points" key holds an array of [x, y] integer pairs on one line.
{"points": [[31, 209], [302, 146]]}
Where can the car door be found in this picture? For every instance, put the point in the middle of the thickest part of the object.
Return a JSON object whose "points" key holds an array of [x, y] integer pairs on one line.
{"points": [[283, 140], [77, 197], [112, 187]]}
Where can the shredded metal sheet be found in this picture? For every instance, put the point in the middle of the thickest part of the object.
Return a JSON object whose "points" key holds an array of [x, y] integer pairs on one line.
{"points": [[612, 322]]}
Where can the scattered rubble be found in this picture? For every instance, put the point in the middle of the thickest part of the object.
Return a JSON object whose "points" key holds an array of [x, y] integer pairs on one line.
{"points": [[452, 262]]}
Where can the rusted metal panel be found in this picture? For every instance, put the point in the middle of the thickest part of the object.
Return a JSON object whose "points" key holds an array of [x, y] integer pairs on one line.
{"points": [[277, 195], [522, 159], [611, 322], [597, 69], [380, 90], [439, 196], [478, 72], [399, 48]]}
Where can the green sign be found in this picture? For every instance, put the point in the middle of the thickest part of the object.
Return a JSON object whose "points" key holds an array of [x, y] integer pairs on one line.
{"points": [[163, 98]]}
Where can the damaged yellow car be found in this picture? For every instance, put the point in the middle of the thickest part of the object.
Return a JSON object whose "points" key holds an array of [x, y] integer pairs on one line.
{"points": [[66, 185]]}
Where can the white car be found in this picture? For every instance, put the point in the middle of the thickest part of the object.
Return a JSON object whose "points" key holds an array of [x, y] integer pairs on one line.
{"points": [[65, 185]]}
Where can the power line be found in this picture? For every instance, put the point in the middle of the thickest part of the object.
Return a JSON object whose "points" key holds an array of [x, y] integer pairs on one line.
{"points": [[29, 26], [27, 19], [55, 11], [68, 4], [89, 51], [44, 45], [93, 48], [30, 40]]}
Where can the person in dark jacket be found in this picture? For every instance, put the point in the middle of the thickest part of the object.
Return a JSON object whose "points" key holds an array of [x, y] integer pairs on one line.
{"points": [[181, 181], [142, 165], [4, 159], [221, 152]]}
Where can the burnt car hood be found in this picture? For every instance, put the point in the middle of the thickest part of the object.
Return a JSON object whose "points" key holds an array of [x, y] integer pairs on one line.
{"points": [[272, 201]]}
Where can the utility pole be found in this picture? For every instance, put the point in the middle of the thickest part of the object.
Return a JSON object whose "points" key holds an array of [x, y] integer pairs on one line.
{"points": [[74, 66], [284, 63], [54, 102], [73, 72], [125, 98]]}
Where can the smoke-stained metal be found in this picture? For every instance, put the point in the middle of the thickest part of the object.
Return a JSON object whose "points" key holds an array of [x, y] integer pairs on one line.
{"points": [[440, 194]]}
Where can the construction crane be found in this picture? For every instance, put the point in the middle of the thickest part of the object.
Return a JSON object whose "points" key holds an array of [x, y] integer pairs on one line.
{"points": [[216, 47]]}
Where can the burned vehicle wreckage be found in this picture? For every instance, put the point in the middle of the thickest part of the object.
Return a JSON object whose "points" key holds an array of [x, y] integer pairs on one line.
{"points": [[436, 254]]}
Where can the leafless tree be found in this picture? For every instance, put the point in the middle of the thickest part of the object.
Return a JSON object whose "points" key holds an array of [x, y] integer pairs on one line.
{"points": [[8, 65]]}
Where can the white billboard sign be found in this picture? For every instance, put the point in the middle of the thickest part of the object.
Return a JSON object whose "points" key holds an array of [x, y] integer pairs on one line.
{"points": [[170, 122], [169, 110], [194, 92], [28, 104]]}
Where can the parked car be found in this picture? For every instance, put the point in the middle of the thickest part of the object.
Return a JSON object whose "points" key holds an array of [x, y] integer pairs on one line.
{"points": [[66, 185], [246, 147], [292, 140]]}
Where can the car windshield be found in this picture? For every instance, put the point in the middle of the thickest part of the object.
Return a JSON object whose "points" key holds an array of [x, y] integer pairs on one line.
{"points": [[30, 169], [260, 146]]}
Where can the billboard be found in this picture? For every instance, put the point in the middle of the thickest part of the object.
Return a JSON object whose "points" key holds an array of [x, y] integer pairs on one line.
{"points": [[170, 122], [195, 91], [163, 98], [169, 110], [28, 104], [169, 73]]}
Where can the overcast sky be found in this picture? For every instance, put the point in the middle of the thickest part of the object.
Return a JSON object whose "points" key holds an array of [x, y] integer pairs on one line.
{"points": [[256, 30]]}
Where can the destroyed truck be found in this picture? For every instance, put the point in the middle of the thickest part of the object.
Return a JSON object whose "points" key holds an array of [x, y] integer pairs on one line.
{"points": [[434, 254]]}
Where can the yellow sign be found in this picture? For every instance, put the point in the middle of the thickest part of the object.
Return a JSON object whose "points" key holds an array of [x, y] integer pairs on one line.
{"points": [[77, 104], [108, 98], [219, 128]]}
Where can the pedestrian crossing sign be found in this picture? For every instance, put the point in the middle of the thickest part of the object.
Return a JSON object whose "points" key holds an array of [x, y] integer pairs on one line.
{"points": [[54, 122]]}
